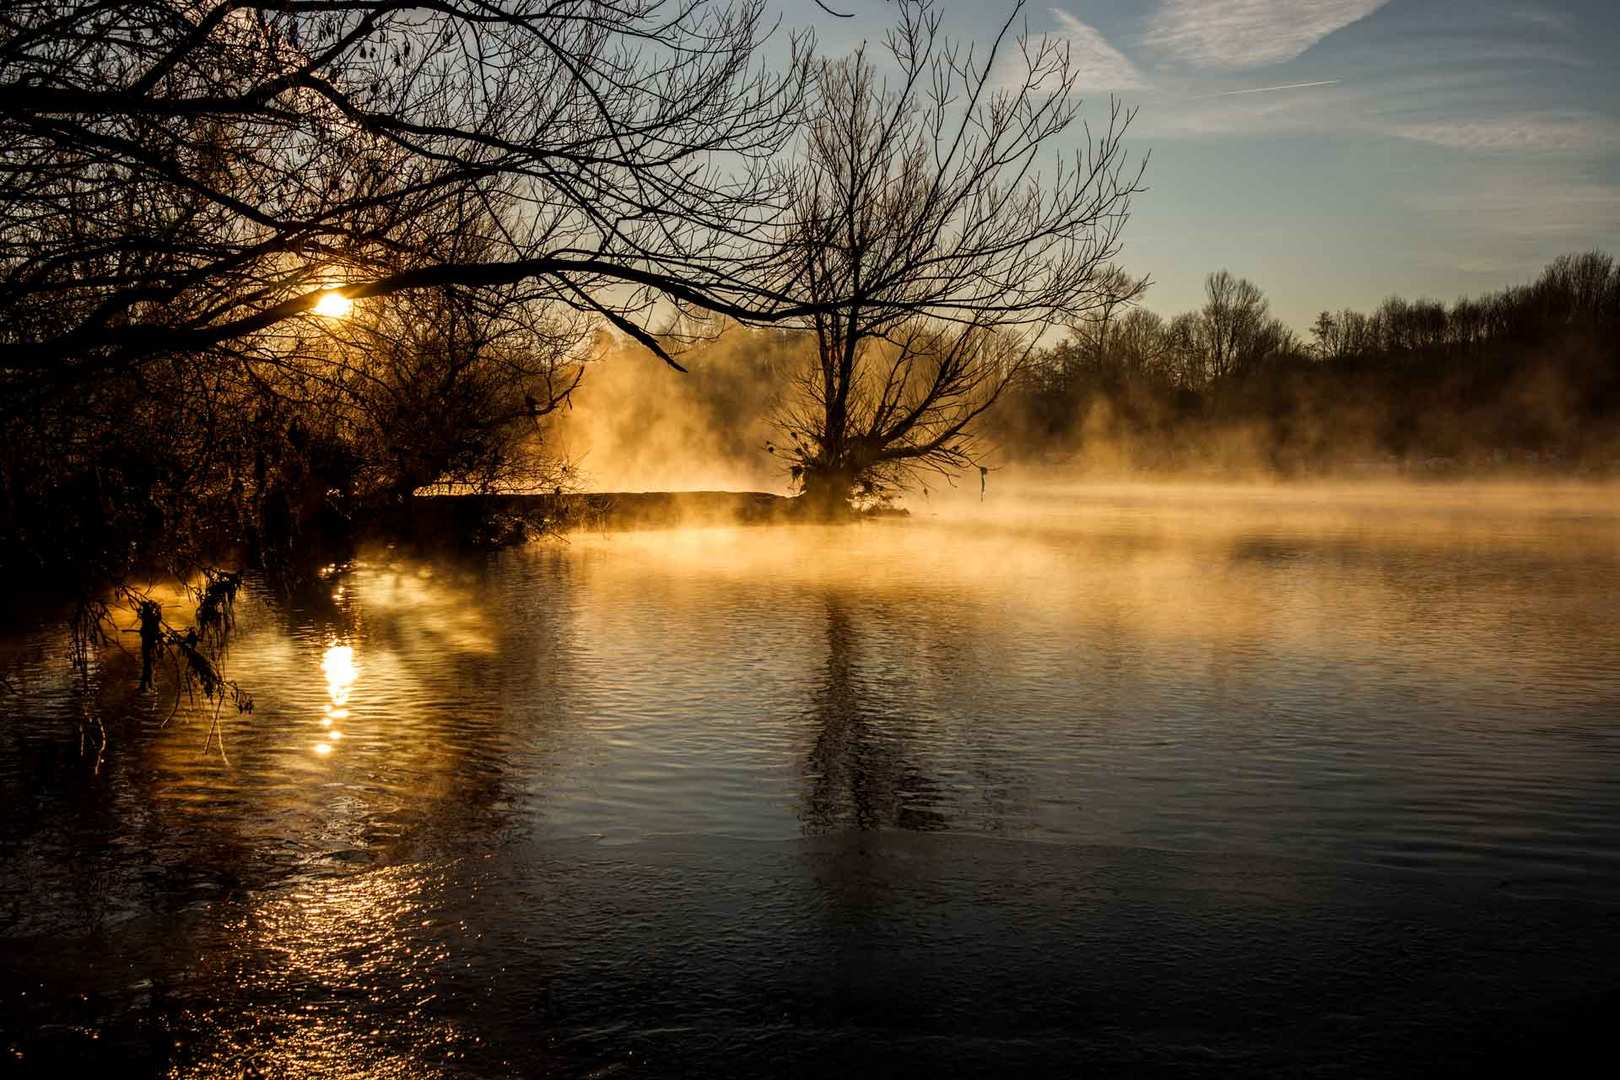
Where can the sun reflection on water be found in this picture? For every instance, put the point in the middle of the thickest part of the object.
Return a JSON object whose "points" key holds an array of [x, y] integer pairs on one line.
{"points": [[338, 665]]}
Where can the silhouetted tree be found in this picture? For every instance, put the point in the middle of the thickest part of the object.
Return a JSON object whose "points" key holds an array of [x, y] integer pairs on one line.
{"points": [[446, 393], [183, 182], [933, 250], [182, 176], [1234, 331], [1530, 374]]}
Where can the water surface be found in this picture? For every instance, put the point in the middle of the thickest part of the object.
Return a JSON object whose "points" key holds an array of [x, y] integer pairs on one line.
{"points": [[1130, 779]]}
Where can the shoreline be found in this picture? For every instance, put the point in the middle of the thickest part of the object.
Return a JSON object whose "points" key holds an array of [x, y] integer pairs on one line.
{"points": [[499, 517]]}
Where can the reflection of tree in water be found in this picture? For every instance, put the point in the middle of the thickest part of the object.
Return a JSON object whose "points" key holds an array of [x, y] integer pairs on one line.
{"points": [[860, 772]]}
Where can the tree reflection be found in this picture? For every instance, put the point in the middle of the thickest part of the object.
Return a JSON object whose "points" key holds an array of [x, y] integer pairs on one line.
{"points": [[860, 772]]}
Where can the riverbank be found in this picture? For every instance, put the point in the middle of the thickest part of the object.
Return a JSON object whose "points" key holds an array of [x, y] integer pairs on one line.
{"points": [[500, 520], [426, 522], [506, 519]]}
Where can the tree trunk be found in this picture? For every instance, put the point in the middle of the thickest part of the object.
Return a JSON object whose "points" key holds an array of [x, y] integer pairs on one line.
{"points": [[827, 493]]}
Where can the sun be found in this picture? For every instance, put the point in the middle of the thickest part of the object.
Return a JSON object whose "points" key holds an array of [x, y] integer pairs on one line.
{"points": [[333, 305]]}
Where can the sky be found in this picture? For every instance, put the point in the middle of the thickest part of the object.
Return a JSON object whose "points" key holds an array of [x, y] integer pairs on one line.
{"points": [[1337, 152]]}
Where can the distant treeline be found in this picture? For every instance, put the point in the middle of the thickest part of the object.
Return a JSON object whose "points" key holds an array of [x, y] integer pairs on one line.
{"points": [[1529, 375]]}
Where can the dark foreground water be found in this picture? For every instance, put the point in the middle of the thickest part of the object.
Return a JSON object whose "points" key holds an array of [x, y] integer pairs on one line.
{"points": [[1204, 781]]}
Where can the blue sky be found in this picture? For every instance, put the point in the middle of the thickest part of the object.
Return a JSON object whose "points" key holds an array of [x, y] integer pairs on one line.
{"points": [[1449, 147]]}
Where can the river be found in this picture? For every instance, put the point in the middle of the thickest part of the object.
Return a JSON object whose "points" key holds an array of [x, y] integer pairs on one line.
{"points": [[1139, 778]]}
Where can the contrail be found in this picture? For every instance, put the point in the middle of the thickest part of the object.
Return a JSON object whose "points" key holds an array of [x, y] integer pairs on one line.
{"points": [[1269, 89]]}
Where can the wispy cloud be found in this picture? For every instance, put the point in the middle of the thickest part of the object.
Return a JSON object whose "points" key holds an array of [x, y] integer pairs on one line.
{"points": [[1249, 33], [1099, 64], [1530, 206], [1260, 117], [1507, 225], [1523, 134], [1557, 21]]}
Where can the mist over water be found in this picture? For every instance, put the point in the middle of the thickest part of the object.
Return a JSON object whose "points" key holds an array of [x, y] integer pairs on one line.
{"points": [[633, 425], [1152, 776]]}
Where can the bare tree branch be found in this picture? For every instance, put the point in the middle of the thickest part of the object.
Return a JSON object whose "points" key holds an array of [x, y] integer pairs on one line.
{"points": [[937, 233]]}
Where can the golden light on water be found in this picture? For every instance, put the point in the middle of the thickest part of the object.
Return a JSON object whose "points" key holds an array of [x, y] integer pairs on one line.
{"points": [[338, 665], [333, 305]]}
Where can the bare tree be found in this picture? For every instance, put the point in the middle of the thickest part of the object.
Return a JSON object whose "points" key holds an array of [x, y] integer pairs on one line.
{"points": [[1139, 341], [1232, 334], [178, 176], [934, 245], [443, 386], [181, 457], [1096, 329], [1234, 310], [448, 389]]}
